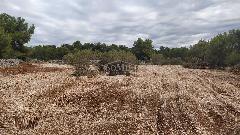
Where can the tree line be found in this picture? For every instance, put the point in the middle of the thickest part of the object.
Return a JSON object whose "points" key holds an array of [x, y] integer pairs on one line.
{"points": [[220, 51]]}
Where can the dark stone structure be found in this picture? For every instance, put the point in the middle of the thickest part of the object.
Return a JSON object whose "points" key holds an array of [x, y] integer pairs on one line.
{"points": [[118, 68]]}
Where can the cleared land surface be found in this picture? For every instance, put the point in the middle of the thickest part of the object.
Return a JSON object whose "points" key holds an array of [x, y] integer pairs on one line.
{"points": [[156, 100]]}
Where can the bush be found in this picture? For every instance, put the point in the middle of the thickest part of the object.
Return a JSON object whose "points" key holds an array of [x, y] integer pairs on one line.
{"points": [[89, 63], [82, 61], [233, 59], [195, 63], [112, 56], [172, 61], [157, 59], [83, 57]]}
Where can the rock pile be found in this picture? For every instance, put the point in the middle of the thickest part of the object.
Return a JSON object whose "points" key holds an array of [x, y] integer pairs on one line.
{"points": [[57, 61], [9, 62]]}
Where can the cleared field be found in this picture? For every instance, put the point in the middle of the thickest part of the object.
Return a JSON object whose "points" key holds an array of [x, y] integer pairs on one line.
{"points": [[155, 100]]}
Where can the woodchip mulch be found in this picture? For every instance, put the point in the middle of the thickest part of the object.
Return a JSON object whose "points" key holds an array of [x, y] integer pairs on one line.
{"points": [[167, 100]]}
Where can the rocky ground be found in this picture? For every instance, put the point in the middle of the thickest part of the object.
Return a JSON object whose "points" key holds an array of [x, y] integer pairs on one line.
{"points": [[167, 100], [9, 63]]}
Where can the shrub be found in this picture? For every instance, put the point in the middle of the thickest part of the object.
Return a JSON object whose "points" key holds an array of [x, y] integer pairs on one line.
{"points": [[172, 61], [233, 59], [157, 59], [82, 61], [195, 63], [85, 59], [112, 56]]}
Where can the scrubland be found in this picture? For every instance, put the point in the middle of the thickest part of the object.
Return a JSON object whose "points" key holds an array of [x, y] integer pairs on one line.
{"points": [[171, 100]]}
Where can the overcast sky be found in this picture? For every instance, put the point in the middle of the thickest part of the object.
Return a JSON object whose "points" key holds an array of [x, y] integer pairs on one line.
{"points": [[171, 23]]}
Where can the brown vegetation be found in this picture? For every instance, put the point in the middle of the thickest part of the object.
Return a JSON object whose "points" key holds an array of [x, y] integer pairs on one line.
{"points": [[27, 68], [167, 100]]}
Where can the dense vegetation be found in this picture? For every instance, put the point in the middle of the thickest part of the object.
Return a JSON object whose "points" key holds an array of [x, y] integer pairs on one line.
{"points": [[14, 33], [221, 51]]}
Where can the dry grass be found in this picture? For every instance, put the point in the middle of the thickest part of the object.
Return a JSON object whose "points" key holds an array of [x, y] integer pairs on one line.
{"points": [[156, 100], [24, 68]]}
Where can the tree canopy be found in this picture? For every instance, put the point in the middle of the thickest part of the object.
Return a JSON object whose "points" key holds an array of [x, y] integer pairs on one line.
{"points": [[143, 49], [15, 30]]}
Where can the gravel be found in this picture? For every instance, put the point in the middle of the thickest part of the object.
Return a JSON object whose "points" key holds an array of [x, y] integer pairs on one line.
{"points": [[9, 62]]}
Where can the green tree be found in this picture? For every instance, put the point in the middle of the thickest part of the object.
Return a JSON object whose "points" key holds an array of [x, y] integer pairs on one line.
{"points": [[165, 51], [234, 40], [197, 54], [180, 53], [77, 45], [217, 51], [5, 46], [143, 49], [46, 52], [233, 58], [17, 29]]}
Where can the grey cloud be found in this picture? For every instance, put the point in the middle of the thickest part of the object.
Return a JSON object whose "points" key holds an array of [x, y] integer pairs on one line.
{"points": [[169, 23]]}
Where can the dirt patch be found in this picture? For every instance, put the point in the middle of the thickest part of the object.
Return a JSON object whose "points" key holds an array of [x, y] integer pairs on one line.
{"points": [[24, 68]]}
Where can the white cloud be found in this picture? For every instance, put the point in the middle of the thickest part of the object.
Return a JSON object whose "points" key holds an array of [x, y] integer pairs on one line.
{"points": [[169, 23]]}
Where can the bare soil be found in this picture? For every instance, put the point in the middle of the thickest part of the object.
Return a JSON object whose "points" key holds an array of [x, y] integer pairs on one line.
{"points": [[168, 100], [24, 68]]}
